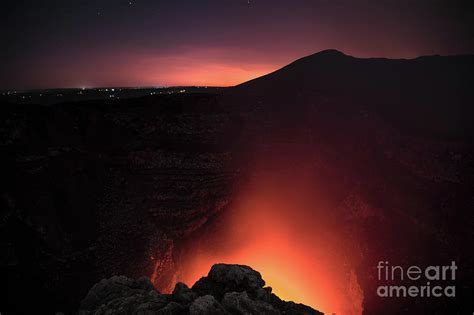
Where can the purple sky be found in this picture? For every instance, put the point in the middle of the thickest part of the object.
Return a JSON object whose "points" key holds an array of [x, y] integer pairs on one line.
{"points": [[219, 42]]}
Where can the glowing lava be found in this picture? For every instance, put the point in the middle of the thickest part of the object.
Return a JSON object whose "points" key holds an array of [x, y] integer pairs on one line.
{"points": [[284, 232]]}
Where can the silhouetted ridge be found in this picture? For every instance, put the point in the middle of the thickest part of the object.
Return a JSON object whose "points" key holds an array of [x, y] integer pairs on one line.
{"points": [[429, 92], [327, 54]]}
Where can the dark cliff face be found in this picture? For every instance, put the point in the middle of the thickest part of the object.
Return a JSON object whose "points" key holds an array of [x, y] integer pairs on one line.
{"points": [[94, 189], [91, 190], [227, 289]]}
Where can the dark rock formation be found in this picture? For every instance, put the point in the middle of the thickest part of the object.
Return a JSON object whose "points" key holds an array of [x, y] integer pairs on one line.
{"points": [[227, 289], [85, 185], [224, 278]]}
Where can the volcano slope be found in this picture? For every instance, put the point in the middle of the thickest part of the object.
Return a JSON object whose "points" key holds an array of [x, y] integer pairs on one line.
{"points": [[101, 188], [388, 145]]}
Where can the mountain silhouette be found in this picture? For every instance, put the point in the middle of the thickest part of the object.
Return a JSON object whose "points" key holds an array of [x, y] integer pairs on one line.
{"points": [[431, 94]]}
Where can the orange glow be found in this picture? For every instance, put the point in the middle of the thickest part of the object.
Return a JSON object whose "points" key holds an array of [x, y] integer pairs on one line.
{"points": [[188, 67], [201, 67], [212, 74], [285, 232]]}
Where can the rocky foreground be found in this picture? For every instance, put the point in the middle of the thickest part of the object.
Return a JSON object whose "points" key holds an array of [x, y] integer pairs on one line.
{"points": [[227, 289]]}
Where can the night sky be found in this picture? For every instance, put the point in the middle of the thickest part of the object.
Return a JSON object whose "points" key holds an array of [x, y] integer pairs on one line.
{"points": [[217, 43]]}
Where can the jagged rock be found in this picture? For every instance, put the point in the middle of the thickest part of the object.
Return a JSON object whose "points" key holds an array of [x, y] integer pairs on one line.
{"points": [[292, 308], [172, 308], [205, 305], [230, 278], [183, 294], [122, 295], [240, 303], [228, 289]]}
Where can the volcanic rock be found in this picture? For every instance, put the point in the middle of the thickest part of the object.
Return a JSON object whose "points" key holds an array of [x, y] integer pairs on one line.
{"points": [[231, 278], [184, 294], [240, 303], [227, 289], [206, 304], [122, 295]]}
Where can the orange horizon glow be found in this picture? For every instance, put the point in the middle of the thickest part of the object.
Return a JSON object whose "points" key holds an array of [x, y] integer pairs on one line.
{"points": [[190, 67]]}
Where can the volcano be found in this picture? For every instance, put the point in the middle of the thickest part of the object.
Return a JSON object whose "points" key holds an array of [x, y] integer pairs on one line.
{"points": [[428, 94], [311, 174]]}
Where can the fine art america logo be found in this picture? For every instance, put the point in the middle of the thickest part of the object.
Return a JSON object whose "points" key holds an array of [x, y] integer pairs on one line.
{"points": [[416, 281]]}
